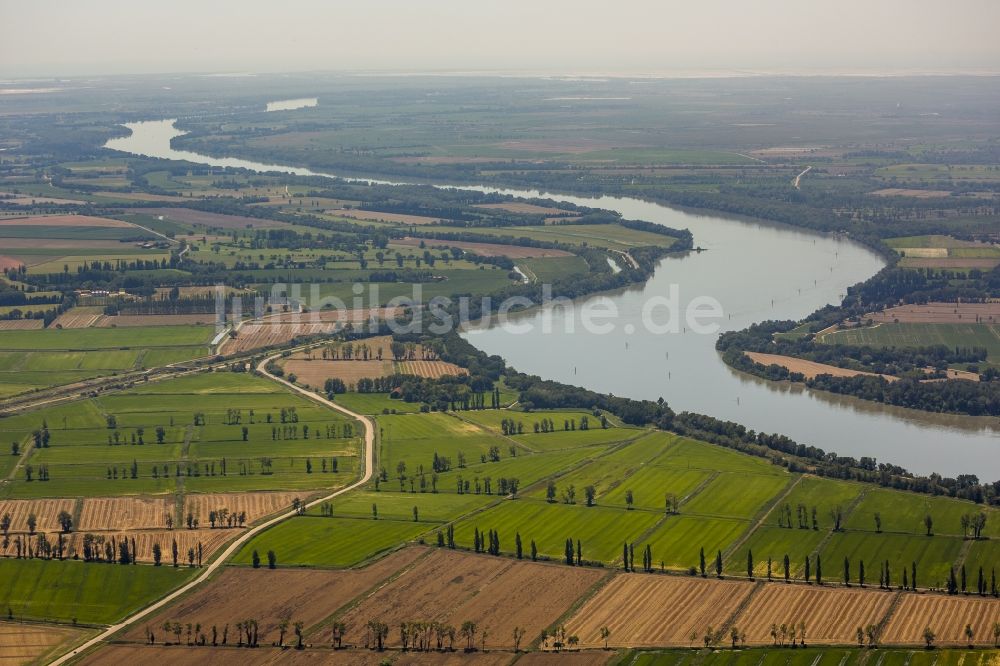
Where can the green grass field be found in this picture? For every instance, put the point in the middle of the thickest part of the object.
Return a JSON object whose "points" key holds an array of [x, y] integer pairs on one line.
{"points": [[300, 440], [600, 530], [933, 556], [330, 542], [86, 339], [53, 357], [986, 336], [905, 513], [85, 592]]}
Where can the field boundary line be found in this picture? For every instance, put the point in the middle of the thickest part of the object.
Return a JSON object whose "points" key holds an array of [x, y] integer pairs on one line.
{"points": [[29, 444], [632, 471], [760, 517], [889, 612], [77, 511], [741, 608], [700, 487], [587, 595], [963, 554], [368, 464], [495, 435], [847, 515], [375, 587]]}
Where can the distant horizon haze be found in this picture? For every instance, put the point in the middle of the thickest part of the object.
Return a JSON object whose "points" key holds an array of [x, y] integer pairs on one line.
{"points": [[56, 38]]}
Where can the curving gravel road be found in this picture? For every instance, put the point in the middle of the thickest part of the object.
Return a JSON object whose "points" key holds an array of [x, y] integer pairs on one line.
{"points": [[369, 465]]}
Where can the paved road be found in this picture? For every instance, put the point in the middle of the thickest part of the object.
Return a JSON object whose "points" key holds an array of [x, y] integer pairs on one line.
{"points": [[219, 561]]}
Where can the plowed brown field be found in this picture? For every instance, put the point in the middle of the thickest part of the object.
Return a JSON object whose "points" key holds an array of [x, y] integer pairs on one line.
{"points": [[125, 513], [63, 221], [155, 320], [831, 615], [809, 368], [946, 616], [643, 611], [26, 643], [315, 373], [256, 505], [939, 313], [497, 594], [46, 512], [269, 596]]}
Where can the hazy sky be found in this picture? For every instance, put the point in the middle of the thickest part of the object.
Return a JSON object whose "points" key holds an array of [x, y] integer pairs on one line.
{"points": [[72, 37]]}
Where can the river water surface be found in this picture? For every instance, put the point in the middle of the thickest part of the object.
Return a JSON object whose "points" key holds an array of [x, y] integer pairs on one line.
{"points": [[756, 271]]}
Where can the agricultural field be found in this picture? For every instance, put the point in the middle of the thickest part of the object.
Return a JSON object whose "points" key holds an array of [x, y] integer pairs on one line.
{"points": [[831, 615], [96, 339], [271, 595], [22, 643], [84, 592], [986, 336], [933, 556], [644, 611], [600, 530], [905, 513], [331, 542], [609, 236], [947, 616], [452, 588], [290, 443]]}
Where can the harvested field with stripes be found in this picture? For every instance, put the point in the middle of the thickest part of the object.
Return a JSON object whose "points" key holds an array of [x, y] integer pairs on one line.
{"points": [[643, 611], [21, 324], [254, 505], [258, 335], [831, 615], [46, 513], [431, 369], [125, 513], [30, 643], [83, 317], [946, 616]]}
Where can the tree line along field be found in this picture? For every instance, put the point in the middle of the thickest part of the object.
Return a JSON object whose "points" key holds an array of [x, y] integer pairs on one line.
{"points": [[442, 474], [986, 336], [434, 599], [455, 475]]}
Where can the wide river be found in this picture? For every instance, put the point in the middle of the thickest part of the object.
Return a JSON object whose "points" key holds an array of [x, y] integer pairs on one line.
{"points": [[756, 271]]}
